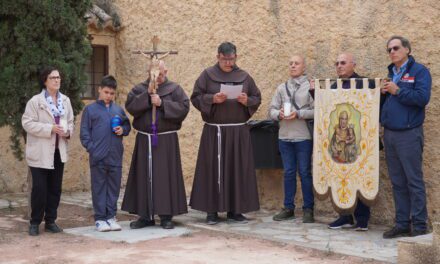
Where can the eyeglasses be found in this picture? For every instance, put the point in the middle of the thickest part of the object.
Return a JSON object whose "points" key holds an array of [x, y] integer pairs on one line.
{"points": [[54, 78], [340, 62], [227, 59], [395, 48]]}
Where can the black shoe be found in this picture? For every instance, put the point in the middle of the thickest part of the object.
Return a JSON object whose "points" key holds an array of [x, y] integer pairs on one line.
{"points": [[166, 224], [396, 232], [308, 216], [419, 232], [361, 226], [212, 218], [237, 217], [284, 214], [52, 228], [141, 223], [34, 230]]}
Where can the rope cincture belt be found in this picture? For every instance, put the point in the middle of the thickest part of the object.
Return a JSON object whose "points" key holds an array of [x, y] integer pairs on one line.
{"points": [[219, 146], [150, 164]]}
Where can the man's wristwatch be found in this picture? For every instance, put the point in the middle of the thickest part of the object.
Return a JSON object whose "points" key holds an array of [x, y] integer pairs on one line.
{"points": [[397, 91]]}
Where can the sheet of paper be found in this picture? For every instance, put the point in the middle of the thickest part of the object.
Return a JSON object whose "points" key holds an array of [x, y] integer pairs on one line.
{"points": [[231, 91]]}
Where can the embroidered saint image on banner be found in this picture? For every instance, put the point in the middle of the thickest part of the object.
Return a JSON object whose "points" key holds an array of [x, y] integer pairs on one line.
{"points": [[344, 134], [346, 142]]}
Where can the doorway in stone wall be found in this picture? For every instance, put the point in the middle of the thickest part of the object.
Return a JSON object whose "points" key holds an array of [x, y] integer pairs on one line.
{"points": [[96, 68]]}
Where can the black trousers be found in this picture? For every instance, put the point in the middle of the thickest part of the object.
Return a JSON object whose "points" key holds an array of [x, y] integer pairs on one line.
{"points": [[46, 191]]}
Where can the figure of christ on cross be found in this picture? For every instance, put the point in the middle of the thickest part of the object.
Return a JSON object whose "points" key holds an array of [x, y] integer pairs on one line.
{"points": [[154, 72]]}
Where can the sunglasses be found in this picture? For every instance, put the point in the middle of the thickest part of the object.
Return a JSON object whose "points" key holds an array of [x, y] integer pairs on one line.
{"points": [[395, 48], [340, 62]]}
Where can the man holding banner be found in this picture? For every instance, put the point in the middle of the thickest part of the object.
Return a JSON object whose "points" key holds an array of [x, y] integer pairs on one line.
{"points": [[345, 68]]}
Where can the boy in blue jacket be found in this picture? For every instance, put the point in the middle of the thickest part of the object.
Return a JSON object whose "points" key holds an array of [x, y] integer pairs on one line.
{"points": [[103, 124]]}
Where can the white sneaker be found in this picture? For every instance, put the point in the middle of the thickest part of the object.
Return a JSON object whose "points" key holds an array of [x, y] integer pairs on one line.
{"points": [[102, 226], [114, 226]]}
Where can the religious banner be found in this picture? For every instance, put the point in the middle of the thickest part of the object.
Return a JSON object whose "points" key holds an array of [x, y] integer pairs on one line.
{"points": [[346, 141]]}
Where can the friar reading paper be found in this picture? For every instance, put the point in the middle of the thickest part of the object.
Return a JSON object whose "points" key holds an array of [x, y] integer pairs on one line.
{"points": [[225, 179]]}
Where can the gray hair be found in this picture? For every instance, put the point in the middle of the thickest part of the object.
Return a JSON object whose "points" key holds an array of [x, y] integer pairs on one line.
{"points": [[405, 42]]}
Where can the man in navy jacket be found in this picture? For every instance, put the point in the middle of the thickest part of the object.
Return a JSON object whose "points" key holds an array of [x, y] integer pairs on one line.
{"points": [[403, 112]]}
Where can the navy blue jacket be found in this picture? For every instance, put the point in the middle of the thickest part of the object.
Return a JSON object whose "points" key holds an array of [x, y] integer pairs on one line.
{"points": [[103, 145], [406, 110]]}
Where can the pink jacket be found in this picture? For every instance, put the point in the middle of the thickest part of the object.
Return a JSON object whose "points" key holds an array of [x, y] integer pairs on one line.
{"points": [[37, 121]]}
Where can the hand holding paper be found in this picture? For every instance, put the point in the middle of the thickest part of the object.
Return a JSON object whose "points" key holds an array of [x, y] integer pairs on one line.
{"points": [[242, 98], [219, 98], [231, 91]]}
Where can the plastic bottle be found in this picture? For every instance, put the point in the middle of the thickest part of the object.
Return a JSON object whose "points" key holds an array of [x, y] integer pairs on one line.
{"points": [[116, 121]]}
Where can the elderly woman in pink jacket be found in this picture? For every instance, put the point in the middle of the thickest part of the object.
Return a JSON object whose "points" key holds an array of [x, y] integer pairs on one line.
{"points": [[48, 121]]}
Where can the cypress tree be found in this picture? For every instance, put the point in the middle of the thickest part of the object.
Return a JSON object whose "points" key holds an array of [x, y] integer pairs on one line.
{"points": [[34, 34]]}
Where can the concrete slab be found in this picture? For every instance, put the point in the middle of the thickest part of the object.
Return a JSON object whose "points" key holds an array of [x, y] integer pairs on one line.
{"points": [[4, 204], [130, 235], [424, 239], [369, 245]]}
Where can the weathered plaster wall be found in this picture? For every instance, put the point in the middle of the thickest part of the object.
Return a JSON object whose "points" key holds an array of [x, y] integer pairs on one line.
{"points": [[266, 34]]}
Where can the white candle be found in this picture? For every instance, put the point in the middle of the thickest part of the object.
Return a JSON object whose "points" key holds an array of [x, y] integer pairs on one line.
{"points": [[63, 124], [287, 108]]}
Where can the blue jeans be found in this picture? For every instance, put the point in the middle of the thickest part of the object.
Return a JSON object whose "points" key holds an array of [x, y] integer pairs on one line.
{"points": [[404, 155], [297, 156]]}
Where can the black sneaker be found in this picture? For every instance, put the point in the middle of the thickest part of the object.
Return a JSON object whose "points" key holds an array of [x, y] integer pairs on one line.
{"points": [[141, 223], [361, 227], [284, 214], [34, 230], [52, 228], [212, 218], [396, 232], [345, 221], [239, 218], [419, 232]]}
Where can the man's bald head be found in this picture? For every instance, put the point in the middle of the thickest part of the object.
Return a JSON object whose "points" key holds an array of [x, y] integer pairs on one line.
{"points": [[297, 66], [345, 65]]}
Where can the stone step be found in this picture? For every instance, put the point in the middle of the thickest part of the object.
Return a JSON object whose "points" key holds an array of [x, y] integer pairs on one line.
{"points": [[422, 249], [436, 234]]}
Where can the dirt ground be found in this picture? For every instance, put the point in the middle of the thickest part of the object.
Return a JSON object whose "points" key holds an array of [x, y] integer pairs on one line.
{"points": [[202, 246]]}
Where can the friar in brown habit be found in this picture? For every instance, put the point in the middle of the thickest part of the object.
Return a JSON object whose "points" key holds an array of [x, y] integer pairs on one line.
{"points": [[225, 179], [155, 183]]}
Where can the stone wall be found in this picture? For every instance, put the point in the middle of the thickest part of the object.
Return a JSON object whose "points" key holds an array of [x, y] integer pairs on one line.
{"points": [[266, 34]]}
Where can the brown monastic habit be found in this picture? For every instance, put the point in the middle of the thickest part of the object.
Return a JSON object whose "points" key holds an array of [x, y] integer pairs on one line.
{"points": [[237, 191], [169, 197]]}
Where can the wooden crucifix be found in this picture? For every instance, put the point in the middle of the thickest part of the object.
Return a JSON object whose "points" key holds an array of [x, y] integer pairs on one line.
{"points": [[153, 72]]}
